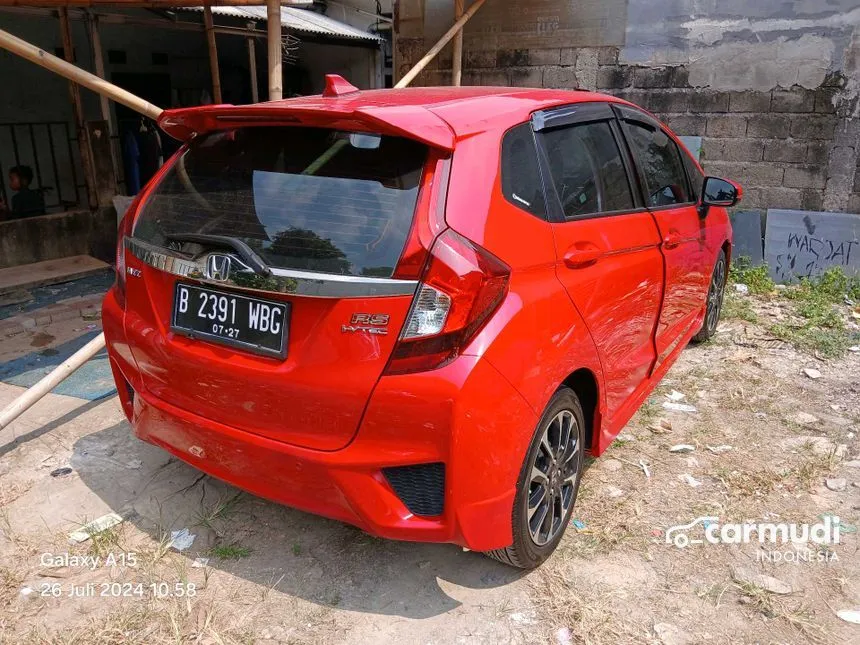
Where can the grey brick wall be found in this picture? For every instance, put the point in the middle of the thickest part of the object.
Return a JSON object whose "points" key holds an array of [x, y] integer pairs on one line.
{"points": [[789, 147]]}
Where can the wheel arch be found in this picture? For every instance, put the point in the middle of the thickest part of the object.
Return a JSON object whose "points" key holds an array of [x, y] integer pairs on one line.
{"points": [[584, 383]]}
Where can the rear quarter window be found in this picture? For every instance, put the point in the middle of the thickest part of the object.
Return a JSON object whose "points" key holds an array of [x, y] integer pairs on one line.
{"points": [[312, 199], [521, 179]]}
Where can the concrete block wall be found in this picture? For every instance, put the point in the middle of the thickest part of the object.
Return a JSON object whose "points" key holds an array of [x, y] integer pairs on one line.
{"points": [[792, 147], [771, 86]]}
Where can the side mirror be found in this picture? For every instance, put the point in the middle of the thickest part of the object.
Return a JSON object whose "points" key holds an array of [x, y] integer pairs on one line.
{"points": [[720, 192]]}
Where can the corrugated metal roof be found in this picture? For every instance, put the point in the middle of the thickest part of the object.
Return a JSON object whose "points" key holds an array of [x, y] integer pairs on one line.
{"points": [[302, 20]]}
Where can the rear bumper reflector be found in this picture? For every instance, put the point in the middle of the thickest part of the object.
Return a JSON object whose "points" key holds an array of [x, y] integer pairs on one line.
{"points": [[421, 488]]}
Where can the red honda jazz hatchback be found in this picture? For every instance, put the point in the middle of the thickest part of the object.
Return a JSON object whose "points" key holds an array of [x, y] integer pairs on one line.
{"points": [[413, 310]]}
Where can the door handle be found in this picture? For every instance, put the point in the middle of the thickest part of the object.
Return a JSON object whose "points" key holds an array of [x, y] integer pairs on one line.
{"points": [[672, 240], [581, 255]]}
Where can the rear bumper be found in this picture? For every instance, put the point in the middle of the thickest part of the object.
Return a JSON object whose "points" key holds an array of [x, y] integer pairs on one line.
{"points": [[465, 415]]}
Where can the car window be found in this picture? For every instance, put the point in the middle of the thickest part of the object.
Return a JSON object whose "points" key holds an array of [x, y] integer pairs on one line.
{"points": [[660, 161], [311, 199], [697, 177], [521, 181], [587, 170]]}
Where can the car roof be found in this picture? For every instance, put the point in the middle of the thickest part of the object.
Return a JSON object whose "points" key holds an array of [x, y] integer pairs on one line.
{"points": [[466, 109]]}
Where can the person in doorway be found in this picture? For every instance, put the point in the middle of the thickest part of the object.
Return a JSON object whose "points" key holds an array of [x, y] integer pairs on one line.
{"points": [[26, 202]]}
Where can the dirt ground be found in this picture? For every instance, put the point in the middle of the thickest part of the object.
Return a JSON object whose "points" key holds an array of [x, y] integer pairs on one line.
{"points": [[276, 575]]}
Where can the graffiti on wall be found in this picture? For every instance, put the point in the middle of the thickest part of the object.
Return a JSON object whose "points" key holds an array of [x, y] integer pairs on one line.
{"points": [[801, 244]]}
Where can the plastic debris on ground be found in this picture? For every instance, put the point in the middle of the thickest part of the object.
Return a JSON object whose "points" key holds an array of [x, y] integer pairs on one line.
{"points": [[849, 615], [563, 636], [95, 527], [181, 540], [675, 395], [200, 563], [682, 448], [742, 288], [644, 466], [689, 479], [718, 450], [678, 407], [578, 524]]}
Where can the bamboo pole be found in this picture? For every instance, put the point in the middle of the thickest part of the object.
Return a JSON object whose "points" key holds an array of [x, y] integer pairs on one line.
{"points": [[209, 25], [439, 46], [76, 74], [77, 109], [50, 381], [252, 63], [457, 66], [276, 78]]}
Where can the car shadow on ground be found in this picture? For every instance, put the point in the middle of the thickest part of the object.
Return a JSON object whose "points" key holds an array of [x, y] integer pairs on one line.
{"points": [[309, 557]]}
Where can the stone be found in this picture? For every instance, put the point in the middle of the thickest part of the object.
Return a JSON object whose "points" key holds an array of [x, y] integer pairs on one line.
{"points": [[612, 465], [768, 583], [803, 419], [614, 491], [669, 634], [812, 373], [836, 484]]}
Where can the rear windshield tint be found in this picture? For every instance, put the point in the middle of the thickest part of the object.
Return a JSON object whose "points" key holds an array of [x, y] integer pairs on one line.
{"points": [[304, 198]]}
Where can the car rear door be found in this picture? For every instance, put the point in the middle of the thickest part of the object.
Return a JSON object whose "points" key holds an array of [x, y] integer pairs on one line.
{"points": [[261, 287], [607, 244], [684, 243]]}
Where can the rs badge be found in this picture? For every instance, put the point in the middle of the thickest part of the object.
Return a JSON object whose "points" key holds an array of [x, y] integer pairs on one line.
{"points": [[376, 324]]}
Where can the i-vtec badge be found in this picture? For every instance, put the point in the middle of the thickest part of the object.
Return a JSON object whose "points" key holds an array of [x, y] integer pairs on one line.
{"points": [[376, 324]]}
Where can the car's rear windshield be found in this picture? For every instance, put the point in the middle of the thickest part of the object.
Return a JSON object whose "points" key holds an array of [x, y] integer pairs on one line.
{"points": [[313, 199]]}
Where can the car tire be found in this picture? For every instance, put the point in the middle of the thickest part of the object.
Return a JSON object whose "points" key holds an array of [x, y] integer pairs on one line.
{"points": [[557, 451], [714, 306]]}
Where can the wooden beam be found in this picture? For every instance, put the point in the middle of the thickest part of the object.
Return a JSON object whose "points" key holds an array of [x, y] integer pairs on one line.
{"points": [[75, 94], [252, 65], [99, 65], [209, 25], [457, 66], [276, 78], [63, 68], [439, 46]]}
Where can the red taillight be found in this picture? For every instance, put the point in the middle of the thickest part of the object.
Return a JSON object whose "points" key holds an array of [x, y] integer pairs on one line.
{"points": [[123, 230], [461, 287]]}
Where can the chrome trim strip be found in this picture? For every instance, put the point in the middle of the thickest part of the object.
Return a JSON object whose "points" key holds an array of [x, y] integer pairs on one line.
{"points": [[294, 282]]}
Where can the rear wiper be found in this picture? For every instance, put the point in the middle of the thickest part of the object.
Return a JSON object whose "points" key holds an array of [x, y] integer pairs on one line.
{"points": [[244, 251]]}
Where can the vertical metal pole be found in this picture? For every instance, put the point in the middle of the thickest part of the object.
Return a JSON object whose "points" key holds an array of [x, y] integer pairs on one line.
{"points": [[276, 79], [75, 93], [252, 65], [457, 67], [209, 24]]}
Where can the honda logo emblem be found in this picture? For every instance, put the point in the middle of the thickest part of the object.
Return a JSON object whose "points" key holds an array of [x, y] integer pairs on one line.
{"points": [[218, 267]]}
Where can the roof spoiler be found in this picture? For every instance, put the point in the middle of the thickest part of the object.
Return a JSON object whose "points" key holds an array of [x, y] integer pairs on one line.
{"points": [[410, 121]]}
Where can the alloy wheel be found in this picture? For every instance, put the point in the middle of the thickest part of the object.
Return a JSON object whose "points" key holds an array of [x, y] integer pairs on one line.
{"points": [[715, 295], [554, 471]]}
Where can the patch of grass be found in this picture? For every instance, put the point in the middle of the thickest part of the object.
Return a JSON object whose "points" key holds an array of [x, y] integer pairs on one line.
{"points": [[218, 511], [816, 302], [230, 552], [297, 549], [756, 278], [828, 343], [770, 606], [738, 308]]}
